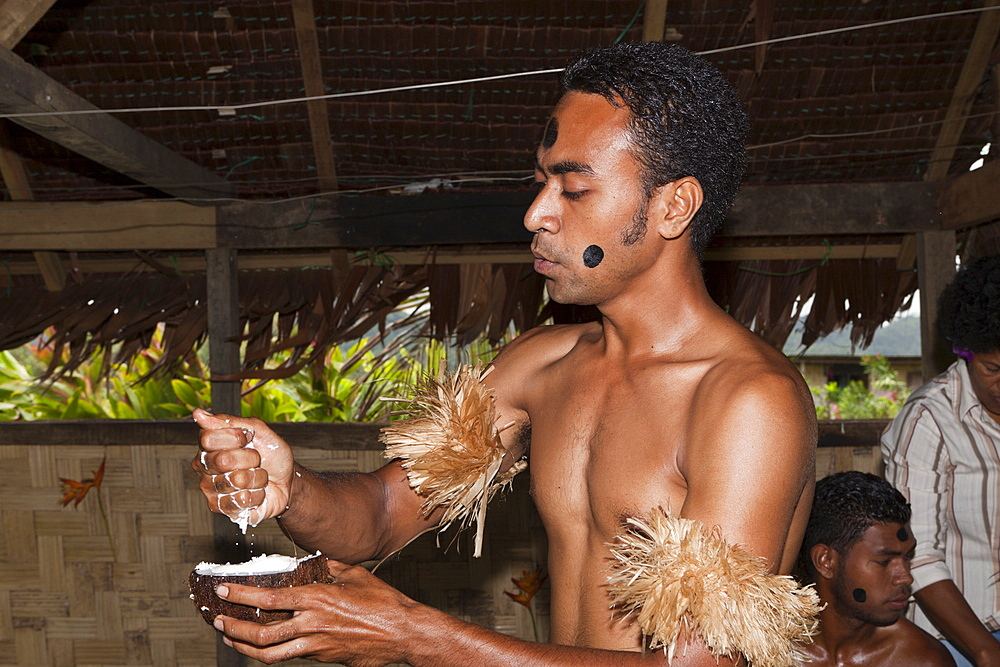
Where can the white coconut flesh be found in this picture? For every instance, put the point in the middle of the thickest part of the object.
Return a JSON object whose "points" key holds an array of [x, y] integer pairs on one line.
{"points": [[264, 564]]}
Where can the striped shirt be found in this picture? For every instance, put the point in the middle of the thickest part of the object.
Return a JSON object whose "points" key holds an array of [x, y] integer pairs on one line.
{"points": [[943, 453]]}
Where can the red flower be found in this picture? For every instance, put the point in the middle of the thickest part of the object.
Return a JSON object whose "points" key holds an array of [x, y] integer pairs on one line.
{"points": [[529, 583], [74, 490]]}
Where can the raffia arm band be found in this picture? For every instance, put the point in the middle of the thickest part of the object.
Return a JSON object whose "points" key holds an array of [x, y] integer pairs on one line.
{"points": [[450, 448], [675, 576]]}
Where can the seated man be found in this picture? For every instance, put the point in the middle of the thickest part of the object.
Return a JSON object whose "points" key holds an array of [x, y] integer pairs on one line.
{"points": [[857, 549]]}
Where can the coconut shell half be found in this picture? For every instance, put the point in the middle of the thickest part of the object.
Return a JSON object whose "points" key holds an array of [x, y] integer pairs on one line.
{"points": [[310, 570]]}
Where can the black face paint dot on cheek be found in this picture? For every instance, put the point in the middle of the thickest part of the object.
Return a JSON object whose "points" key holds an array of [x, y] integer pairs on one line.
{"points": [[902, 535], [592, 256], [860, 595], [551, 133]]}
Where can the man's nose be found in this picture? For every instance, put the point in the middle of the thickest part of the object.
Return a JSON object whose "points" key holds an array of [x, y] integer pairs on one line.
{"points": [[902, 576], [543, 214]]}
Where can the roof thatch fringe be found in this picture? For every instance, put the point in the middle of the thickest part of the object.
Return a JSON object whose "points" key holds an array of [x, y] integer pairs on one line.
{"points": [[303, 312], [768, 295], [470, 300], [307, 311]]}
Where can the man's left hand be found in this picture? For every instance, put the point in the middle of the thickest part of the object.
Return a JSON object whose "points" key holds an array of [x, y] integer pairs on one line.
{"points": [[357, 620]]}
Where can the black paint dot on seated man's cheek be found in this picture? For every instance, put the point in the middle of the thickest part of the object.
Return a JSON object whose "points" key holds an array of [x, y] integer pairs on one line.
{"points": [[551, 133], [860, 595], [902, 535], [592, 256]]}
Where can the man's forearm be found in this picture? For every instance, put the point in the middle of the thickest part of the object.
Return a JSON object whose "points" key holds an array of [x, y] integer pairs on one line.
{"points": [[440, 640], [340, 514], [948, 610]]}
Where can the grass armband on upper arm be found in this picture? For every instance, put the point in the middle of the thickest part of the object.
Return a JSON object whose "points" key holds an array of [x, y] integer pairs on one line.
{"points": [[450, 448], [675, 576]]}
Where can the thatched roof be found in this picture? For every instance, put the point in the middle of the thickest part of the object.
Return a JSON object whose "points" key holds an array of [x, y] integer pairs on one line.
{"points": [[865, 120]]}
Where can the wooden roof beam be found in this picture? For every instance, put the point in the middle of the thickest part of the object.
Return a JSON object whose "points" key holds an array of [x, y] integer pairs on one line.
{"points": [[654, 20], [432, 219], [312, 77], [971, 76], [99, 136], [479, 254], [17, 17], [972, 198]]}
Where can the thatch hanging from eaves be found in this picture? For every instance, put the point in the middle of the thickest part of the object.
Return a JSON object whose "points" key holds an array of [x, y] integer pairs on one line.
{"points": [[768, 295], [305, 311], [301, 311]]}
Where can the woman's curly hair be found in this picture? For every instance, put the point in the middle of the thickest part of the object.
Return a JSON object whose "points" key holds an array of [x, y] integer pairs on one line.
{"points": [[969, 309]]}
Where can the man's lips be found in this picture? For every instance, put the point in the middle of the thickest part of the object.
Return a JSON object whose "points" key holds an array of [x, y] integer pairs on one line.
{"points": [[900, 602], [542, 263]]}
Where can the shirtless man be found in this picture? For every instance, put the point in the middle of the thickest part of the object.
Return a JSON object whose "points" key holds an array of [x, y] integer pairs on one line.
{"points": [[857, 549], [665, 402]]}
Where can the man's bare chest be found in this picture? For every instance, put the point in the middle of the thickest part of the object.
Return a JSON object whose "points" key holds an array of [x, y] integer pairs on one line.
{"points": [[601, 451]]}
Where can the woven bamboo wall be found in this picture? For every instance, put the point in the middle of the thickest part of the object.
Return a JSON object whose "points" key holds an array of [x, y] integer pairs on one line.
{"points": [[837, 459], [66, 601]]}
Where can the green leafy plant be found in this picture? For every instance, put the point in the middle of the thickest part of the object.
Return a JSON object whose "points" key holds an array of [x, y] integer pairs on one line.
{"points": [[882, 399], [346, 384]]}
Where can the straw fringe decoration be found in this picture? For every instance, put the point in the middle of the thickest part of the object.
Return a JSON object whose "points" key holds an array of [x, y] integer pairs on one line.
{"points": [[675, 577], [450, 448]]}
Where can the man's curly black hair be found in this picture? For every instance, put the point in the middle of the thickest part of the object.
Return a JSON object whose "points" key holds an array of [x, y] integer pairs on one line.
{"points": [[969, 308], [686, 120], [847, 504]]}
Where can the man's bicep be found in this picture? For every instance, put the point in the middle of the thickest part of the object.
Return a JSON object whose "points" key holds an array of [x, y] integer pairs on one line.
{"points": [[403, 508], [752, 465]]}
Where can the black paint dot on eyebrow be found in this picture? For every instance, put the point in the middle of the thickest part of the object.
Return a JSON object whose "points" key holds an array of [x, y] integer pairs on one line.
{"points": [[902, 535], [859, 594], [592, 256], [551, 133]]}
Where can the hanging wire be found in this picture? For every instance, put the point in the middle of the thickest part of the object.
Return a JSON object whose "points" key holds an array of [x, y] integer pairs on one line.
{"points": [[496, 77], [776, 274]]}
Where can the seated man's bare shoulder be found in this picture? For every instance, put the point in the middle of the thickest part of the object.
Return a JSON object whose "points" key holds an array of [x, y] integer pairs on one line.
{"points": [[910, 645]]}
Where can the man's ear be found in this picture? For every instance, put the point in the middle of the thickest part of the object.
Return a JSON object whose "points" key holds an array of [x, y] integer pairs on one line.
{"points": [[825, 560], [674, 205]]}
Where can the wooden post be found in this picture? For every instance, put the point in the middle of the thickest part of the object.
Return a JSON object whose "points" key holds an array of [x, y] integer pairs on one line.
{"points": [[654, 20], [935, 269], [222, 289]]}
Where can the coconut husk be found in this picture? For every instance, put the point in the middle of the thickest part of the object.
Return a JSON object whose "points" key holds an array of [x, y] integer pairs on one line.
{"points": [[450, 448], [310, 570], [676, 577]]}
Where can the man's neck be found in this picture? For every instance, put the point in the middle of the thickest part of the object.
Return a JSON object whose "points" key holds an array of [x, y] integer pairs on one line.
{"points": [[843, 636], [661, 312]]}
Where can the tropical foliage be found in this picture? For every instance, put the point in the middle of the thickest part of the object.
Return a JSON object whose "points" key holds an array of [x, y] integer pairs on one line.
{"points": [[346, 385], [882, 398]]}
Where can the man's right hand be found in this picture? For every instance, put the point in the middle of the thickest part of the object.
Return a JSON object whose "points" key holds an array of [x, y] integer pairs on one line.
{"points": [[246, 469]]}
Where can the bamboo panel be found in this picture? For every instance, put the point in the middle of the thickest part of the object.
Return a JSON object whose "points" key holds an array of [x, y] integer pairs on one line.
{"points": [[838, 459], [67, 599]]}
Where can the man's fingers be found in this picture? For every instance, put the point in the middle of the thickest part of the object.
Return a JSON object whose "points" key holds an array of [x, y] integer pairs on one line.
{"points": [[265, 598], [336, 568], [239, 480], [226, 461], [232, 504], [249, 632], [207, 420], [271, 643]]}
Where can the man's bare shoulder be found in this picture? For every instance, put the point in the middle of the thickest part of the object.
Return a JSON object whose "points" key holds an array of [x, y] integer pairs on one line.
{"points": [[748, 372], [913, 646], [521, 365], [545, 344]]}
